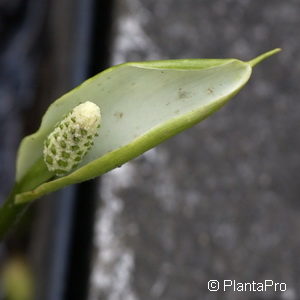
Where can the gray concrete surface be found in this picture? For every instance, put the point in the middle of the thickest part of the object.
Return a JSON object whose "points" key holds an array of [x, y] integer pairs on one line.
{"points": [[221, 200]]}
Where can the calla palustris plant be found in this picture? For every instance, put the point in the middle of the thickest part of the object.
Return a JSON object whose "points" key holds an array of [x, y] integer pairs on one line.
{"points": [[142, 104]]}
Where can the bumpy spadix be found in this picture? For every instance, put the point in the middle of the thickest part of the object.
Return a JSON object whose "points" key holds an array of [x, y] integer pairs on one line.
{"points": [[72, 138]]}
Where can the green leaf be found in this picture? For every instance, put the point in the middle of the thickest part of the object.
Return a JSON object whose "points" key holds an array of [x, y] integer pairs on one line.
{"points": [[142, 104]]}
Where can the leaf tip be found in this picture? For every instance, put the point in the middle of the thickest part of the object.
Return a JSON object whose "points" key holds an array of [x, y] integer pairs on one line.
{"points": [[262, 57]]}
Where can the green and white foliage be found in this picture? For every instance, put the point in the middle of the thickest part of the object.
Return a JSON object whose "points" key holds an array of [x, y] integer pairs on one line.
{"points": [[142, 104]]}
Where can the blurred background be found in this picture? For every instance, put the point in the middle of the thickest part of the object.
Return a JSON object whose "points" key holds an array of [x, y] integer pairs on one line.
{"points": [[219, 201]]}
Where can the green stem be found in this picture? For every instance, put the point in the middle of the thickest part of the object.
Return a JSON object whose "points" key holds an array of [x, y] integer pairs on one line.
{"points": [[10, 213]]}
